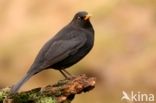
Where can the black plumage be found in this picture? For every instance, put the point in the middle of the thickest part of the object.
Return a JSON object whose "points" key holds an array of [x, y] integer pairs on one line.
{"points": [[66, 48]]}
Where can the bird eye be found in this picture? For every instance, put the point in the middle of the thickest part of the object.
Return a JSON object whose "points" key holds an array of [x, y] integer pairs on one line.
{"points": [[79, 18]]}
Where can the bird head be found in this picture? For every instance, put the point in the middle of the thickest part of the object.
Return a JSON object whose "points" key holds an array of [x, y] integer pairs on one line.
{"points": [[82, 19]]}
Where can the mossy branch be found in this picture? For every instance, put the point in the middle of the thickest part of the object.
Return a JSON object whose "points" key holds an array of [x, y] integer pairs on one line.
{"points": [[61, 92]]}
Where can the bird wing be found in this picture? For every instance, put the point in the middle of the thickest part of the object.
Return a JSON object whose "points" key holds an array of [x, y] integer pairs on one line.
{"points": [[61, 49]]}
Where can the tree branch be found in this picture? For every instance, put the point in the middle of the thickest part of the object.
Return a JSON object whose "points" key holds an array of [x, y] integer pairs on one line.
{"points": [[61, 92]]}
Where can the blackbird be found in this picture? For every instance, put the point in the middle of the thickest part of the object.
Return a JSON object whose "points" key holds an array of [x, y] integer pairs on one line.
{"points": [[66, 48]]}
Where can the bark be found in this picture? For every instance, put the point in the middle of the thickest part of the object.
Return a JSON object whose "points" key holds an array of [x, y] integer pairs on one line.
{"points": [[63, 91]]}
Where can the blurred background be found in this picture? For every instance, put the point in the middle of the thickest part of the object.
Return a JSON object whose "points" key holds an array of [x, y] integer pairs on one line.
{"points": [[123, 57]]}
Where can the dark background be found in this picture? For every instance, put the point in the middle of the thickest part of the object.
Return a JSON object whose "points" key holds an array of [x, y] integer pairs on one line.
{"points": [[123, 57]]}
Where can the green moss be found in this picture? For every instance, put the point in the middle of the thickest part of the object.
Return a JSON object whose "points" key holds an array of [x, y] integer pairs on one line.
{"points": [[46, 100], [3, 93], [1, 96], [61, 82], [22, 98], [33, 97]]}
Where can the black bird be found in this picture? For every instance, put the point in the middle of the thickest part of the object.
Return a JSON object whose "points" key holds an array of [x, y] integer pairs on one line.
{"points": [[66, 48]]}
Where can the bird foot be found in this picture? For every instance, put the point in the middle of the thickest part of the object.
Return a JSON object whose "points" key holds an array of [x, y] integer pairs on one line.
{"points": [[71, 77]]}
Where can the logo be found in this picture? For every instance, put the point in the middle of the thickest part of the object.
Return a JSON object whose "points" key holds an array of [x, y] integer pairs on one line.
{"points": [[137, 96]]}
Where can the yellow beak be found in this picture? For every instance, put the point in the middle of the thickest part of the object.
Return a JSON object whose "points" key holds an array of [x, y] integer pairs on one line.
{"points": [[87, 17]]}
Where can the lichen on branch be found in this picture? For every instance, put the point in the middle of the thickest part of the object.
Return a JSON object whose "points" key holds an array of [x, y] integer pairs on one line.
{"points": [[63, 91]]}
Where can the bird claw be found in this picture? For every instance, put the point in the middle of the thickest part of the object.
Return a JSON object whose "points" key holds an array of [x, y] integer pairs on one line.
{"points": [[70, 77]]}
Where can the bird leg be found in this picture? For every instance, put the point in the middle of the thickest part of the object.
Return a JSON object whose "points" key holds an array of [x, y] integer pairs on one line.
{"points": [[67, 72], [63, 74], [70, 76]]}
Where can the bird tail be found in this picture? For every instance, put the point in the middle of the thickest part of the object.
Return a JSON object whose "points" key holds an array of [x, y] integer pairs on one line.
{"points": [[16, 87]]}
